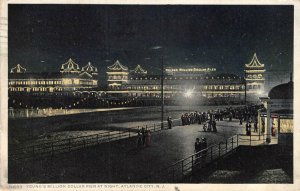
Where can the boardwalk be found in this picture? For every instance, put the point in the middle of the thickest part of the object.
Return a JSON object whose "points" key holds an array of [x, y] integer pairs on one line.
{"points": [[120, 161]]}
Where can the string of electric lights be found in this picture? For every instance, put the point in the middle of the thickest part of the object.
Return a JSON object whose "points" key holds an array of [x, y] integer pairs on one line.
{"points": [[85, 99]]}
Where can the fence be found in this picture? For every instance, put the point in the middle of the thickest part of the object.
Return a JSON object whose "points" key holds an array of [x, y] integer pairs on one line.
{"points": [[72, 144], [184, 168]]}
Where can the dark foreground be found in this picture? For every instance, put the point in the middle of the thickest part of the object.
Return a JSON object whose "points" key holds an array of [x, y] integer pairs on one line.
{"points": [[122, 162]]}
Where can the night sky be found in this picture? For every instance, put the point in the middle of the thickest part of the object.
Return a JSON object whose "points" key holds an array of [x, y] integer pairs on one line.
{"points": [[42, 37]]}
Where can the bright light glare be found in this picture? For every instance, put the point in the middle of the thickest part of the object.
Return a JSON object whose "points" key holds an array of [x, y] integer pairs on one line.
{"points": [[188, 93], [260, 92]]}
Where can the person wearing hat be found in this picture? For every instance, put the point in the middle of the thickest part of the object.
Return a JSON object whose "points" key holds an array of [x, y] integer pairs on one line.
{"points": [[169, 122], [198, 146]]}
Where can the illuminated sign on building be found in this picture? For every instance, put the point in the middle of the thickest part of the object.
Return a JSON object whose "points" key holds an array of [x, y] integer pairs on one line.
{"points": [[191, 69]]}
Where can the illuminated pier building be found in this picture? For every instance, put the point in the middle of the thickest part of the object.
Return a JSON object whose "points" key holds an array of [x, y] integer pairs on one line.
{"points": [[203, 82], [70, 79], [123, 83]]}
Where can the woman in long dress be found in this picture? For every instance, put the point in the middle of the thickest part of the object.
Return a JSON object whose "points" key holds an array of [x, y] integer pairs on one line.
{"points": [[148, 138]]}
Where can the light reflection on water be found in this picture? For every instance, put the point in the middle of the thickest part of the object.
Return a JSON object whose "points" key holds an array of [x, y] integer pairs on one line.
{"points": [[47, 112]]}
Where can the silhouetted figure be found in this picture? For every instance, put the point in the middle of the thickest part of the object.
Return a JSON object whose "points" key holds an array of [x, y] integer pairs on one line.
{"points": [[143, 136], [169, 122], [255, 126], [214, 125], [139, 140], [197, 147]]}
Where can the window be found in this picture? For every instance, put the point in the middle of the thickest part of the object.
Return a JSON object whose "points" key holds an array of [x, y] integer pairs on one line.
{"points": [[286, 126]]}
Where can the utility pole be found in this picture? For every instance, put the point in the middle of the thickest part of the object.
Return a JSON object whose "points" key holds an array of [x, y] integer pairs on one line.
{"points": [[162, 91], [245, 89]]}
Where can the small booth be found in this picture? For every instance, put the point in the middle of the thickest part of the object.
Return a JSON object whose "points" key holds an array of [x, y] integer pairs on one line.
{"points": [[275, 121]]}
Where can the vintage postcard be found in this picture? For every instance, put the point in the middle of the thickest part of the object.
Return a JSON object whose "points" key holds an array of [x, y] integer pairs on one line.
{"points": [[99, 95]]}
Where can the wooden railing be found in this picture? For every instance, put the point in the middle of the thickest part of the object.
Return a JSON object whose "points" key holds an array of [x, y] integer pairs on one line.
{"points": [[184, 168], [71, 144]]}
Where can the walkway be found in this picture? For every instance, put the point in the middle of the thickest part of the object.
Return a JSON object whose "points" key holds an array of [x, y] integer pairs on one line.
{"points": [[120, 161]]}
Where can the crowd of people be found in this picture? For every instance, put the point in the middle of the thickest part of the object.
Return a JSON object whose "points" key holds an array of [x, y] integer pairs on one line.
{"points": [[209, 120]]}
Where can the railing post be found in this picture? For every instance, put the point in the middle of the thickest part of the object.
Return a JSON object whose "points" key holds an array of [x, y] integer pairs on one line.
{"points": [[129, 132], [250, 138], [237, 140], [192, 164], [219, 149], [154, 127], [232, 143], [182, 170], [97, 139], [211, 154], [146, 127], [69, 145], [226, 145], [52, 149], [33, 153], [83, 142]]}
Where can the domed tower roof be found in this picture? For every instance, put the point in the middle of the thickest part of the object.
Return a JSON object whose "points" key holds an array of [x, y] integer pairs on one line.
{"points": [[90, 68], [254, 63], [282, 91], [18, 69], [139, 70], [70, 67], [117, 66]]}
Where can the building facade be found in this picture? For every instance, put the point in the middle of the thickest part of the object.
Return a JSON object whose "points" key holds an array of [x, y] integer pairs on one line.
{"points": [[122, 83], [70, 78], [203, 82]]}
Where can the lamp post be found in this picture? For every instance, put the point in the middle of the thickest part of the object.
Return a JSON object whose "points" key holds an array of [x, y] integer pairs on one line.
{"points": [[161, 83], [245, 88]]}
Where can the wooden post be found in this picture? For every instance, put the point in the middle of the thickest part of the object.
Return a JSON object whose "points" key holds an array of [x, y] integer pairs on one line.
{"points": [[33, 153], [211, 154], [52, 149], [182, 170], [192, 164], [69, 145]]}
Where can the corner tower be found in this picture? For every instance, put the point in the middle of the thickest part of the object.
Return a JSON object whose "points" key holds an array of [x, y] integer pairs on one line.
{"points": [[255, 76], [117, 75]]}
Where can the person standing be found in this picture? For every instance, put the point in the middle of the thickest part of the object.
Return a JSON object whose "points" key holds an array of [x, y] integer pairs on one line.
{"points": [[197, 147], [169, 122], [214, 125], [182, 120], [143, 136], [139, 140], [241, 120], [148, 138], [255, 126]]}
